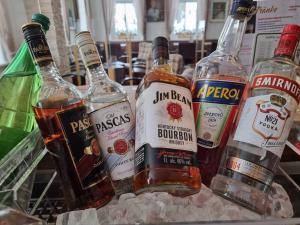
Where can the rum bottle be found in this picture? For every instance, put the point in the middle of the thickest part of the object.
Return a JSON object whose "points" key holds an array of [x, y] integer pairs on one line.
{"points": [[110, 113], [165, 148], [253, 153], [67, 131], [218, 84]]}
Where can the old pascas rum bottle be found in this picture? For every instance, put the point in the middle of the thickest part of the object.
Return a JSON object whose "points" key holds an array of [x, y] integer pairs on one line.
{"points": [[218, 86], [67, 131], [165, 151], [111, 116], [252, 155]]}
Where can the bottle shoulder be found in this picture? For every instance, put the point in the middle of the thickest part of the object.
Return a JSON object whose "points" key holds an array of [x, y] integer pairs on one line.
{"points": [[162, 76], [217, 63], [105, 91], [278, 66]]}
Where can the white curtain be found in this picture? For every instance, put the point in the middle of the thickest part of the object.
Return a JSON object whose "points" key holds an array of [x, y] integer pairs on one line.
{"points": [[88, 12], [172, 6], [5, 39], [202, 6], [108, 12], [139, 6]]}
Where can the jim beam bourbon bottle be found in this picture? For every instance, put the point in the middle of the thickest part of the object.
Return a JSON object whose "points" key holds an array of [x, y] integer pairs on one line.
{"points": [[252, 155], [110, 112], [218, 84], [165, 151], [67, 131]]}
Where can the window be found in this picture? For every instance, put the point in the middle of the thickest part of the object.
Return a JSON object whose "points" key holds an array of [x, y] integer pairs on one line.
{"points": [[125, 20], [185, 21]]}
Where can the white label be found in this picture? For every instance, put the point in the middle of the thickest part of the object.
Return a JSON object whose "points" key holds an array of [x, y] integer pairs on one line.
{"points": [[114, 126], [266, 121], [211, 121], [90, 54], [165, 118]]}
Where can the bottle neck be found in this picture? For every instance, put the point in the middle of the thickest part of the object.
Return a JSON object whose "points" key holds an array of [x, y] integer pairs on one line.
{"points": [[162, 63], [231, 36], [96, 73], [49, 71]]}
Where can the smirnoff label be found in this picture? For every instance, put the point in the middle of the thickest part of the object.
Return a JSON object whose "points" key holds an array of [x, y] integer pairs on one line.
{"points": [[114, 127], [276, 82], [266, 120], [165, 130], [83, 147], [215, 103]]}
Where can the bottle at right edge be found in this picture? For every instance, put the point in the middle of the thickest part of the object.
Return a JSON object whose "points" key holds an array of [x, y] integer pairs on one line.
{"points": [[253, 153], [218, 84]]}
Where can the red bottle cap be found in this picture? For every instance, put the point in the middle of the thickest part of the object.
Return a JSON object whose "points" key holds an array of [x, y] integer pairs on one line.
{"points": [[288, 41]]}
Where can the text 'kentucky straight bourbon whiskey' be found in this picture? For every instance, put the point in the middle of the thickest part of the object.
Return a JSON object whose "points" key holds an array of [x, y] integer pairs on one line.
{"points": [[67, 131], [165, 150]]}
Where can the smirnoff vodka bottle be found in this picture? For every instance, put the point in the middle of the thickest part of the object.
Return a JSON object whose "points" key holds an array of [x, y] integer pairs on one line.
{"points": [[252, 155]]}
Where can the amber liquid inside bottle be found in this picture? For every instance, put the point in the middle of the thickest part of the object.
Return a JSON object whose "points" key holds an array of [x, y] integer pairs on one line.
{"points": [[209, 158], [76, 197], [177, 181]]}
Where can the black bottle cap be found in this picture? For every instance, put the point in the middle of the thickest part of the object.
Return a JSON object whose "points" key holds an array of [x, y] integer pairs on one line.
{"points": [[242, 7], [37, 43], [160, 48]]}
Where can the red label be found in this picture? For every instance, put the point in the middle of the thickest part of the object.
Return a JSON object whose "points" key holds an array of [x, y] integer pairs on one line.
{"points": [[121, 146], [279, 83]]}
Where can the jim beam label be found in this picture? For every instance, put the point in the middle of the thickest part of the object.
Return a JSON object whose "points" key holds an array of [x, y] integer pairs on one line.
{"points": [[165, 130], [40, 50], [266, 120], [114, 126], [215, 105], [83, 147]]}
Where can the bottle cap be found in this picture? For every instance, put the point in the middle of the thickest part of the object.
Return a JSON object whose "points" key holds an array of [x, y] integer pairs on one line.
{"points": [[291, 29], [36, 41], [87, 48], [41, 19], [242, 7], [160, 48], [288, 41]]}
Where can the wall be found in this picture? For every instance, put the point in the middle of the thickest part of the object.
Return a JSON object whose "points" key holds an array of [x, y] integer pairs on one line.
{"points": [[155, 29], [16, 17], [213, 30]]}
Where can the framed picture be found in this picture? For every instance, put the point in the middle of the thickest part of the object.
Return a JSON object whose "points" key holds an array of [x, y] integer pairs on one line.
{"points": [[155, 10], [218, 10]]}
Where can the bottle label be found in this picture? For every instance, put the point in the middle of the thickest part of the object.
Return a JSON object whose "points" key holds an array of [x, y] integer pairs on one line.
{"points": [[165, 130], [215, 105], [89, 53], [250, 169], [39, 49], [267, 119], [114, 126], [83, 147]]}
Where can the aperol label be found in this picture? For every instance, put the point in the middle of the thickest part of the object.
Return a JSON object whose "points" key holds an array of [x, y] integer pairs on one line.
{"points": [[215, 105]]}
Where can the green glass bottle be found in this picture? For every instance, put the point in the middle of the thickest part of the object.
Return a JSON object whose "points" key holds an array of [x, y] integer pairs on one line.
{"points": [[19, 86]]}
